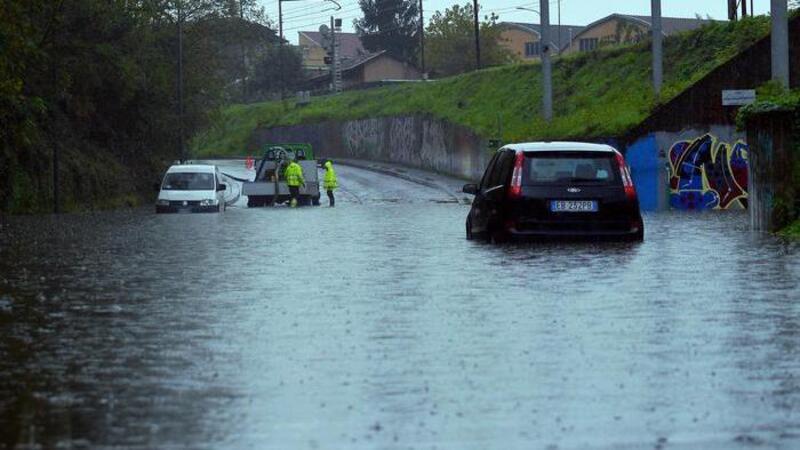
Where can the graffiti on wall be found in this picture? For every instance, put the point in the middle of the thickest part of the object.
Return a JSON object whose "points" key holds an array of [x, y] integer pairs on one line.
{"points": [[403, 139], [361, 138], [418, 141], [706, 173]]}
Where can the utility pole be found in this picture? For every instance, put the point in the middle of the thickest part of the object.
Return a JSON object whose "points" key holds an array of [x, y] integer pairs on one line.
{"points": [[241, 48], [280, 35], [658, 40], [547, 74], [559, 27], [477, 36], [56, 182], [280, 46], [744, 8], [181, 144], [336, 67], [732, 7], [280, 20], [421, 38], [56, 144], [780, 42]]}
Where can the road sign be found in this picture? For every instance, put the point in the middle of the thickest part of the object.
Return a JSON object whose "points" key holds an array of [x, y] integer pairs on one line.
{"points": [[738, 97]]}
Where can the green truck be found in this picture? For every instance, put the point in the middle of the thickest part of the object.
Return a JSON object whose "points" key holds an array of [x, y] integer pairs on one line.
{"points": [[269, 187]]}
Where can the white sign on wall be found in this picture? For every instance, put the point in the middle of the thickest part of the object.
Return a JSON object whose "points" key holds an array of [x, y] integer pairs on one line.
{"points": [[738, 97]]}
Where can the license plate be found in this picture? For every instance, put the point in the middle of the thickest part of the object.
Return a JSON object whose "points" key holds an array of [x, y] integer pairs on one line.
{"points": [[573, 206]]}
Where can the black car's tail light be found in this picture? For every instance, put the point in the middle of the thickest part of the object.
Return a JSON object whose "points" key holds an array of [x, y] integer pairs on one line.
{"points": [[515, 188], [627, 181]]}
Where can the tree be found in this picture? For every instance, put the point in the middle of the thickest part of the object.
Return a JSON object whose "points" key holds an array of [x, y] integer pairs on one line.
{"points": [[97, 80], [391, 25], [450, 41], [238, 45], [279, 70]]}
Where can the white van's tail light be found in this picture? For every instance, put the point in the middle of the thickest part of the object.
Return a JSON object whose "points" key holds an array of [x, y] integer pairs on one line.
{"points": [[627, 181], [515, 188]]}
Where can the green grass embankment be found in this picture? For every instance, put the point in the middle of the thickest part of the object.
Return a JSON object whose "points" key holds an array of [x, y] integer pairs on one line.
{"points": [[598, 94]]}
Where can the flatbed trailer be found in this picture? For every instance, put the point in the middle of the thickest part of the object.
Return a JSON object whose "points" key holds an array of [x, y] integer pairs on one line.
{"points": [[269, 186]]}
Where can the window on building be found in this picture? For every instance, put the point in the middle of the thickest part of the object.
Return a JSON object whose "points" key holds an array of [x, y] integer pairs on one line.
{"points": [[588, 44], [532, 49]]}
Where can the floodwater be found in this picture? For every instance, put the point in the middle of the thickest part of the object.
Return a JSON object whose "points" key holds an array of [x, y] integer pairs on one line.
{"points": [[375, 325]]}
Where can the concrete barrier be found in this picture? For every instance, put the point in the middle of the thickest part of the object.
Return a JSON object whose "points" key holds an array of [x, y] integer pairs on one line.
{"points": [[416, 141], [774, 159]]}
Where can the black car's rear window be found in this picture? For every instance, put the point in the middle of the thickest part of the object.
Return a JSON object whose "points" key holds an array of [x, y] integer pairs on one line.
{"points": [[542, 168]]}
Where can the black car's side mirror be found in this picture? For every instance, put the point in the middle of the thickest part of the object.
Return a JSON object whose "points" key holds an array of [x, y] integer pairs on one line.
{"points": [[221, 187], [471, 189]]}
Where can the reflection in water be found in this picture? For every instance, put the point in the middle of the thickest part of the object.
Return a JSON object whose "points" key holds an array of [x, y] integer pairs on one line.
{"points": [[378, 325]]}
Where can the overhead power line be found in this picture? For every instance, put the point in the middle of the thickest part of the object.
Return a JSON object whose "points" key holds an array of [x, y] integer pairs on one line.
{"points": [[353, 11]]}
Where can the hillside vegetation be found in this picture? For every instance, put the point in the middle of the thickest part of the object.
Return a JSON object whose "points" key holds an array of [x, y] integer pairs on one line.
{"points": [[95, 83], [603, 93], [792, 230]]}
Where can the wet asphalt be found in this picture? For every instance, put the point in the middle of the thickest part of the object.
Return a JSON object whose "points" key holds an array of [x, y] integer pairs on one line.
{"points": [[375, 325]]}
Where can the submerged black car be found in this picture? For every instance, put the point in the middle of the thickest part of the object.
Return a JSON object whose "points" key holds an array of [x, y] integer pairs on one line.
{"points": [[555, 189]]}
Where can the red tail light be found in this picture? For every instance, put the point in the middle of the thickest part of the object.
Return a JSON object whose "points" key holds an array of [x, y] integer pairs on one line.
{"points": [[627, 181], [515, 188]]}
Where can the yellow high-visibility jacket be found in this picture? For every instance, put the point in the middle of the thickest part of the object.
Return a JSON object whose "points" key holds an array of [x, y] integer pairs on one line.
{"points": [[294, 174], [330, 182]]}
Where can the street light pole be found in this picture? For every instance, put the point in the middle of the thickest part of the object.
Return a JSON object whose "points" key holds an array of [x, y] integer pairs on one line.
{"points": [[181, 144], [780, 42], [421, 37], [477, 36], [658, 41], [559, 27], [242, 51], [547, 74]]}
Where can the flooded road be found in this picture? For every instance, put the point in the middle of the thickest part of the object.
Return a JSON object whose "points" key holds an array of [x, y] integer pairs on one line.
{"points": [[376, 325]]}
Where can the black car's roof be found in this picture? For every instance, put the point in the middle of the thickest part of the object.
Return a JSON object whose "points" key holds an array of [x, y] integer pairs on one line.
{"points": [[560, 147]]}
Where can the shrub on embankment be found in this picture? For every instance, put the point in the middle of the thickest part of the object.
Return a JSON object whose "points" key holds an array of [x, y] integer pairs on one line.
{"points": [[792, 231], [596, 95]]}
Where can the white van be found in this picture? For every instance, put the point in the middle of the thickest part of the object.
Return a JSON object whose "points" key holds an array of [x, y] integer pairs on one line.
{"points": [[191, 188]]}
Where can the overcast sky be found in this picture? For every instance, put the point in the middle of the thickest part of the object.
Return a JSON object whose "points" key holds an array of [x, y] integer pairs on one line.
{"points": [[308, 15]]}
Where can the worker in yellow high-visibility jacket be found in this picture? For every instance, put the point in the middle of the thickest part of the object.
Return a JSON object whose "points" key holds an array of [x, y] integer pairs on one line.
{"points": [[294, 179], [330, 183]]}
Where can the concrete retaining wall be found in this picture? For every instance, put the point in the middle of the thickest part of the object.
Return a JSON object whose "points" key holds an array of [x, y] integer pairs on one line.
{"points": [[416, 141], [776, 200], [702, 167]]}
